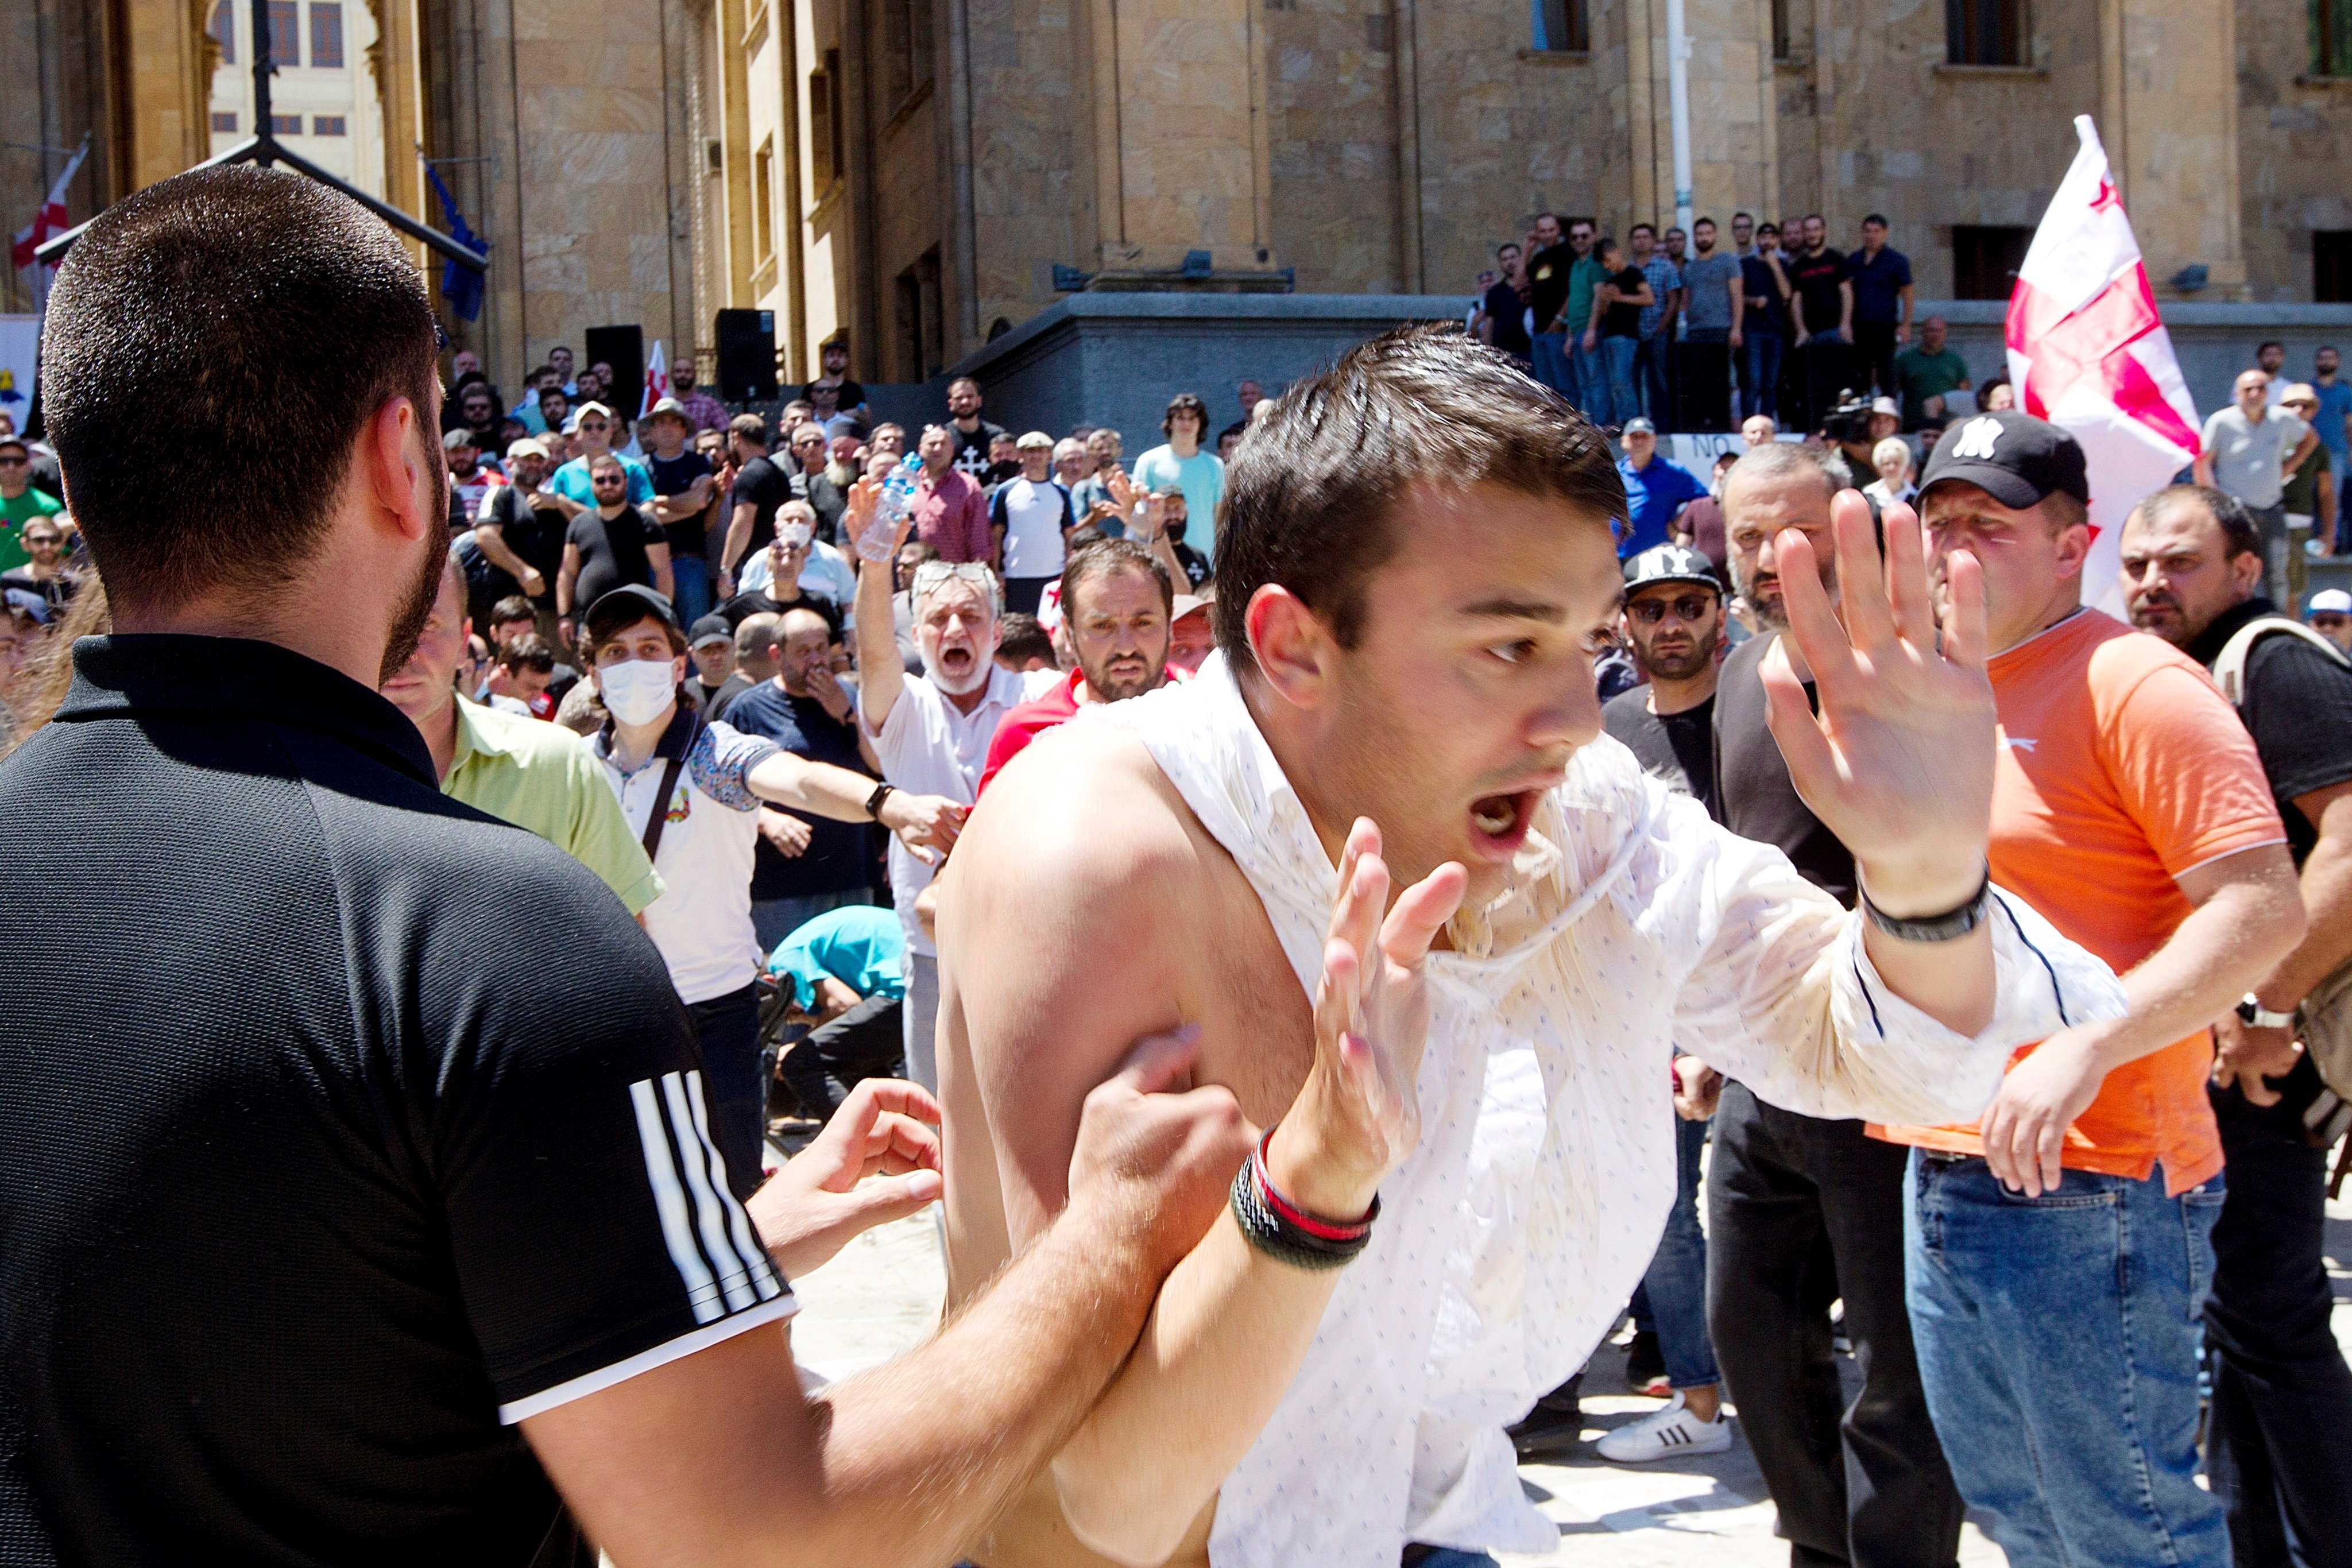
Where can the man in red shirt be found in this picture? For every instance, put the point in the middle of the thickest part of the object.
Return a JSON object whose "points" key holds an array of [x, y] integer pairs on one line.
{"points": [[1116, 605], [951, 511]]}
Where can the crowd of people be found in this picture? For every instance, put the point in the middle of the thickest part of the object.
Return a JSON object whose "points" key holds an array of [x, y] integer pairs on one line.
{"points": [[858, 806]]}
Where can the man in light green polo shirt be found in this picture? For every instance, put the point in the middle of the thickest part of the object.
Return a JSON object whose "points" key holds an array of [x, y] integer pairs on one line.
{"points": [[522, 770]]}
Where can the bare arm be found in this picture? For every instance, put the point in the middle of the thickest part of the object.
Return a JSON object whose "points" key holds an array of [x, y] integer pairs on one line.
{"points": [[491, 537], [567, 577], [1903, 327], [881, 674], [822, 790], [1845, 310], [2247, 1053], [1739, 287], [665, 582], [2203, 468], [739, 537], [720, 1458]]}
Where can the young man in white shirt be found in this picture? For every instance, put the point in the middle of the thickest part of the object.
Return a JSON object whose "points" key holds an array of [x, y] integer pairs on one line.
{"points": [[1032, 517], [691, 790], [1435, 705]]}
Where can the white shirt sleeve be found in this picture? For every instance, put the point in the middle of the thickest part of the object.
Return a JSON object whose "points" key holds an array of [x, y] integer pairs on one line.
{"points": [[1781, 996]]}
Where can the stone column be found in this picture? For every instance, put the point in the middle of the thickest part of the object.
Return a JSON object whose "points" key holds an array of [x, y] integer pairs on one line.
{"points": [[1180, 160], [2169, 119]]}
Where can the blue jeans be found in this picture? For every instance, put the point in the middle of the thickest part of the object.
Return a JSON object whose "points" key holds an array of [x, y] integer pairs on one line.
{"points": [[776, 918], [1551, 363], [691, 577], [1588, 387], [1672, 1296], [2058, 1341], [1448, 1557], [1759, 373], [1615, 402], [1650, 379]]}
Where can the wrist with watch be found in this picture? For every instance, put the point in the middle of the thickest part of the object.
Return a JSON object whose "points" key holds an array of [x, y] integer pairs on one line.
{"points": [[2253, 1015], [882, 792]]}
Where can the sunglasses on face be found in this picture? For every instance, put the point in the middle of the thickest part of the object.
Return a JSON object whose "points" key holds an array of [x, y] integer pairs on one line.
{"points": [[609, 481], [13, 461], [1692, 607], [2329, 622]]}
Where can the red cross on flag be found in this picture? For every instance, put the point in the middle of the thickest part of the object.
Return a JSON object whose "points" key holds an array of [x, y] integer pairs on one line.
{"points": [[656, 380], [49, 219], [2088, 352]]}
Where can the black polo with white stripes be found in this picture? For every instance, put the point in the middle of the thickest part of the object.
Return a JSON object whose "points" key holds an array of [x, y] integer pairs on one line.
{"points": [[341, 1127]]}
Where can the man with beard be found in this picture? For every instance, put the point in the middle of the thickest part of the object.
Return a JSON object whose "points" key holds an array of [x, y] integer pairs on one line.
{"points": [[2279, 1448], [1803, 1208], [1118, 604], [1417, 555], [447, 1244], [931, 731]]}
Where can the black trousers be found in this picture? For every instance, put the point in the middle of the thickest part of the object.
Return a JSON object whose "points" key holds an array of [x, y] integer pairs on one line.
{"points": [[1873, 354], [867, 1041], [1821, 370], [1801, 1211], [2279, 1446], [727, 1028]]}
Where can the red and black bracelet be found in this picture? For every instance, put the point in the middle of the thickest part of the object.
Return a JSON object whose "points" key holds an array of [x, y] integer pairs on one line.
{"points": [[1281, 1230]]}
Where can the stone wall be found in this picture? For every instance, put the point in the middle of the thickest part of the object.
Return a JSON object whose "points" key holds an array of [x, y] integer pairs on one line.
{"points": [[2295, 139]]}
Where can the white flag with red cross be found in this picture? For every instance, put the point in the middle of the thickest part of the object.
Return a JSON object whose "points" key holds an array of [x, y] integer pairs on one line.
{"points": [[50, 219], [2088, 352], [656, 380]]}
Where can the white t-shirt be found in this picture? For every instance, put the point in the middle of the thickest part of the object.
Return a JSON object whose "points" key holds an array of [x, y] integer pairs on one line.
{"points": [[1034, 515], [2249, 460], [702, 921], [930, 747]]}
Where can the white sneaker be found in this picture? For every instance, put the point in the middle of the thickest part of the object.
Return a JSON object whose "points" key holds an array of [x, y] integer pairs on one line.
{"points": [[1671, 1433]]}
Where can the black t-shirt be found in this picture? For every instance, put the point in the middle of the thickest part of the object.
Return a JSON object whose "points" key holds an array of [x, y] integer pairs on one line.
{"points": [[1196, 570], [319, 1167], [763, 486], [534, 533], [759, 601], [1508, 311], [714, 703], [839, 854], [2297, 706], [971, 449], [1754, 796], [1623, 320], [612, 553], [1548, 273], [1816, 279], [851, 395], [675, 476], [1765, 311], [1678, 748]]}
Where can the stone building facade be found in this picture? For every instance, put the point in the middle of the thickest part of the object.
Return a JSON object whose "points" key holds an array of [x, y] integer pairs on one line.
{"points": [[933, 162]]}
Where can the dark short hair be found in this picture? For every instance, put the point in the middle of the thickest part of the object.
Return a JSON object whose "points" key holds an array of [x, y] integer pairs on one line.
{"points": [[751, 428], [614, 613], [2268, 343], [1638, 228], [1506, 245], [512, 607], [1878, 218], [1020, 639], [1749, 216], [1814, 217], [1108, 557], [214, 345], [1707, 221], [1310, 500], [2241, 534], [1184, 402], [528, 651]]}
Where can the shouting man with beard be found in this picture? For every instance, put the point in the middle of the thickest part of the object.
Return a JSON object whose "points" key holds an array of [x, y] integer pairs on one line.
{"points": [[1416, 559], [1118, 603], [930, 732]]}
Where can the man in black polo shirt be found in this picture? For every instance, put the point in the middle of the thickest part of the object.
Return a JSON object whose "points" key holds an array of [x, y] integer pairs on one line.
{"points": [[1823, 309], [2280, 1447], [1802, 1209], [345, 1218]]}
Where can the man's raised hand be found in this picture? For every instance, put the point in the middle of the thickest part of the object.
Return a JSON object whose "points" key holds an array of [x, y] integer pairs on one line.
{"points": [[1898, 763], [1359, 1114]]}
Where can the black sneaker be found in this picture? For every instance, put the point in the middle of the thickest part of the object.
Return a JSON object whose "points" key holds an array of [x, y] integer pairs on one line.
{"points": [[1644, 1365], [1555, 1426]]}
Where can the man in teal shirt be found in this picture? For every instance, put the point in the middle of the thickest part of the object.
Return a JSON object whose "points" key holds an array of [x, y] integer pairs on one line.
{"points": [[592, 422], [846, 968]]}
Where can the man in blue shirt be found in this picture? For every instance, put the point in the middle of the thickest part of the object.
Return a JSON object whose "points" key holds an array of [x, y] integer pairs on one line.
{"points": [[1881, 302], [1655, 490], [2334, 425], [847, 971]]}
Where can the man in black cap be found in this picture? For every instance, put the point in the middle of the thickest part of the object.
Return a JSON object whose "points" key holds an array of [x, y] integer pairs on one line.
{"points": [[2060, 1247], [717, 681], [346, 1215]]}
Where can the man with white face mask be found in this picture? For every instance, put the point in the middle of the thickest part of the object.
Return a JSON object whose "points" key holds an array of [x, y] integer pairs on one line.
{"points": [[697, 815], [929, 731]]}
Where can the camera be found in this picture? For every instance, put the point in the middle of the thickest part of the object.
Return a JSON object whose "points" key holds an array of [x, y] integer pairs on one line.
{"points": [[1848, 421]]}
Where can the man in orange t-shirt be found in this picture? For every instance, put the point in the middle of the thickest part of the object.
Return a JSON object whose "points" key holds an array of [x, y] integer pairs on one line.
{"points": [[2059, 1252]]}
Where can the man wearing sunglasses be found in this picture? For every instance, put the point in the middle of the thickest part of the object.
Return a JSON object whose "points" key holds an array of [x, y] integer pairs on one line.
{"points": [[593, 426], [20, 501]]}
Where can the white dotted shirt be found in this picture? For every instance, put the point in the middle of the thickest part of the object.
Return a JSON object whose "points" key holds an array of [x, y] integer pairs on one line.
{"points": [[1510, 1239]]}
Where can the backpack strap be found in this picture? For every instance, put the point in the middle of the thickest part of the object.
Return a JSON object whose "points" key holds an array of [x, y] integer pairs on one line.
{"points": [[2229, 666], [659, 818]]}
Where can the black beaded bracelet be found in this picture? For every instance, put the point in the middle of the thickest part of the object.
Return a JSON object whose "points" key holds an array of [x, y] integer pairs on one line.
{"points": [[1285, 1232], [1946, 927]]}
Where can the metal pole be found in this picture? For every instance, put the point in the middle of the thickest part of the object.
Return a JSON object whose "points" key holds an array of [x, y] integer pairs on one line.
{"points": [[264, 63], [1678, 109]]}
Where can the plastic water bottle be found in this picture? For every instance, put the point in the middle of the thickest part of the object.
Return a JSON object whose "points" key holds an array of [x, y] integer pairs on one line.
{"points": [[881, 535]]}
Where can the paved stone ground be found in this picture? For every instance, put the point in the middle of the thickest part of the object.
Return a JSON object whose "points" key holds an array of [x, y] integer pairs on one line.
{"points": [[880, 1296]]}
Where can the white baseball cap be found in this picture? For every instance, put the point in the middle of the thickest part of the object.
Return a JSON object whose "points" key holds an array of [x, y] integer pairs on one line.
{"points": [[2329, 601]]}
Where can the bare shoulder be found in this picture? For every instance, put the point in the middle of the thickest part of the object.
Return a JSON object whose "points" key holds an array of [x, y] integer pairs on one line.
{"points": [[1082, 813]]}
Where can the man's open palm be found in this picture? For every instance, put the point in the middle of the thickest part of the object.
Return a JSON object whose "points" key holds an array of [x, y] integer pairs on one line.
{"points": [[1898, 762]]}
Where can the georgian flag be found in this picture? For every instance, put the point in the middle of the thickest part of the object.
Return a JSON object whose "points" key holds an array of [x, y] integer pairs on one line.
{"points": [[656, 380], [2088, 352], [50, 220]]}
